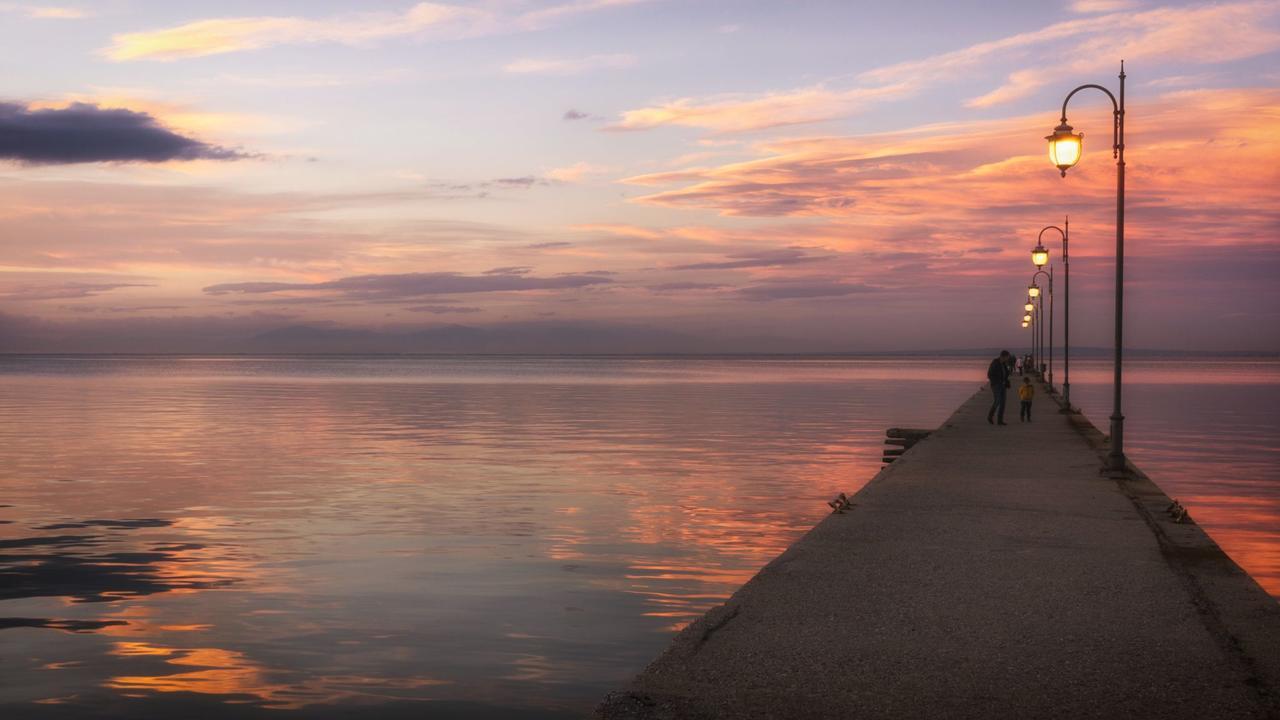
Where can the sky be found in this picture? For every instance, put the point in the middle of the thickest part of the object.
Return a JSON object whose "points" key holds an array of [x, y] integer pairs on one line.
{"points": [[628, 175]]}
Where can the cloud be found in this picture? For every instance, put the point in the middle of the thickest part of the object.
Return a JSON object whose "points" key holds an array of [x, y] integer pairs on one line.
{"points": [[1151, 37], [413, 285], [1020, 84], [803, 288], [741, 113], [63, 291], [85, 133], [238, 34], [679, 286], [575, 173], [39, 12], [571, 115], [767, 258], [444, 309], [1101, 6], [568, 66]]}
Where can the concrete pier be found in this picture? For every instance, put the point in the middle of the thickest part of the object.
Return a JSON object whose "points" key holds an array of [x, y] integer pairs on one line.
{"points": [[989, 572]]}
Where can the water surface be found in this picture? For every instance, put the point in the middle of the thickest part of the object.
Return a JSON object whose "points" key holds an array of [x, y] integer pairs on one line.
{"points": [[235, 537]]}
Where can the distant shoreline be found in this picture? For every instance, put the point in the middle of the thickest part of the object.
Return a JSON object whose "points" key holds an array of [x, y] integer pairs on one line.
{"points": [[1090, 353]]}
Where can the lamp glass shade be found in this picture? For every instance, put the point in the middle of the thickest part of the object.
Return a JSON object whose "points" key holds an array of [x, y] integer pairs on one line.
{"points": [[1039, 256], [1033, 291], [1026, 324], [1026, 318], [1028, 307], [1065, 147]]}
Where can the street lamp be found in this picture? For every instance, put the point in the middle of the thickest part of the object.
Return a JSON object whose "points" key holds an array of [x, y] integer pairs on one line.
{"points": [[1033, 290], [1065, 148], [1029, 307], [1026, 318], [1065, 232], [1039, 255]]}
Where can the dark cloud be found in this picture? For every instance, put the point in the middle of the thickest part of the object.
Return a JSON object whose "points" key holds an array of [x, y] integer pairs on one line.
{"points": [[770, 258], [526, 181], [413, 285], [572, 115], [547, 245], [510, 270], [84, 133], [64, 291], [785, 290]]}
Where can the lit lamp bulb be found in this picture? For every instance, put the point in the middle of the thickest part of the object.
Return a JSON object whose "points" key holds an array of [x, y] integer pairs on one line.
{"points": [[1033, 290], [1028, 307], [1026, 318], [1039, 256], [1026, 324], [1064, 147]]}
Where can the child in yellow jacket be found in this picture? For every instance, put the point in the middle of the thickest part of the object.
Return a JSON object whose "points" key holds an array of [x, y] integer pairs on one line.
{"points": [[1026, 391]]}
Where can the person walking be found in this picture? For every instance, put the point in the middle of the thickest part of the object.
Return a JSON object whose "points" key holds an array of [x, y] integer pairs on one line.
{"points": [[1026, 391], [998, 376]]}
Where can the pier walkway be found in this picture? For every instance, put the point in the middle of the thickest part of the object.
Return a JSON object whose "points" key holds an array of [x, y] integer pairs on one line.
{"points": [[990, 572]]}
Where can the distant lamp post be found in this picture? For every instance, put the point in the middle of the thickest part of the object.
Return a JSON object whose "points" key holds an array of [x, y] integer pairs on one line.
{"points": [[1065, 148], [1040, 364], [1065, 232]]}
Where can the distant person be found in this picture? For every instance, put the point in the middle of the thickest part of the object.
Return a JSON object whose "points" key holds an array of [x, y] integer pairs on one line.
{"points": [[1026, 391], [998, 375], [1018, 366]]}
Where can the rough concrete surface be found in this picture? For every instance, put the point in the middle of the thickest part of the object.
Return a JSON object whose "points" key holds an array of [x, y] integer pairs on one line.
{"points": [[990, 572]]}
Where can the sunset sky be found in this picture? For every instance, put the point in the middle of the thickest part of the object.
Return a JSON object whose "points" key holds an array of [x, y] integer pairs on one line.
{"points": [[626, 175]]}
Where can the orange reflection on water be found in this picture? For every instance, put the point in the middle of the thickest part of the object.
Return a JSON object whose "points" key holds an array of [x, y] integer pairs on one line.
{"points": [[241, 680], [1247, 528]]}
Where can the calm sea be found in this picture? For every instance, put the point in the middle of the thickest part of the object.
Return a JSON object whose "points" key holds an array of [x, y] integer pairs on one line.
{"points": [[473, 537]]}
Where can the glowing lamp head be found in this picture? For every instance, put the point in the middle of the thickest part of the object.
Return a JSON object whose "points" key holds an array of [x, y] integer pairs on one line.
{"points": [[1033, 290], [1026, 324], [1026, 318], [1065, 147], [1039, 256], [1028, 307]]}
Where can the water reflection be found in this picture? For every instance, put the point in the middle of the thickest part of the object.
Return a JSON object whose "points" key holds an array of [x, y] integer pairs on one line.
{"points": [[472, 538]]}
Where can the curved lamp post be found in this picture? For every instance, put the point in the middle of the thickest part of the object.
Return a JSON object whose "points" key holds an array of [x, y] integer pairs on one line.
{"points": [[1065, 232], [1065, 148]]}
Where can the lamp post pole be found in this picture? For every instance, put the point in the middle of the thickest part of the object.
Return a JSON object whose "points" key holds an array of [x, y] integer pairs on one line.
{"points": [[1064, 148], [1041, 256], [1040, 361]]}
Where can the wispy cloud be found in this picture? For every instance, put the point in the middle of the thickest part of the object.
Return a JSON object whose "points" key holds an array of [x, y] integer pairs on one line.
{"points": [[758, 259], [237, 34], [1020, 84], [568, 66], [1184, 34], [44, 12], [1101, 6], [576, 172], [804, 288], [414, 285], [740, 113], [62, 291]]}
